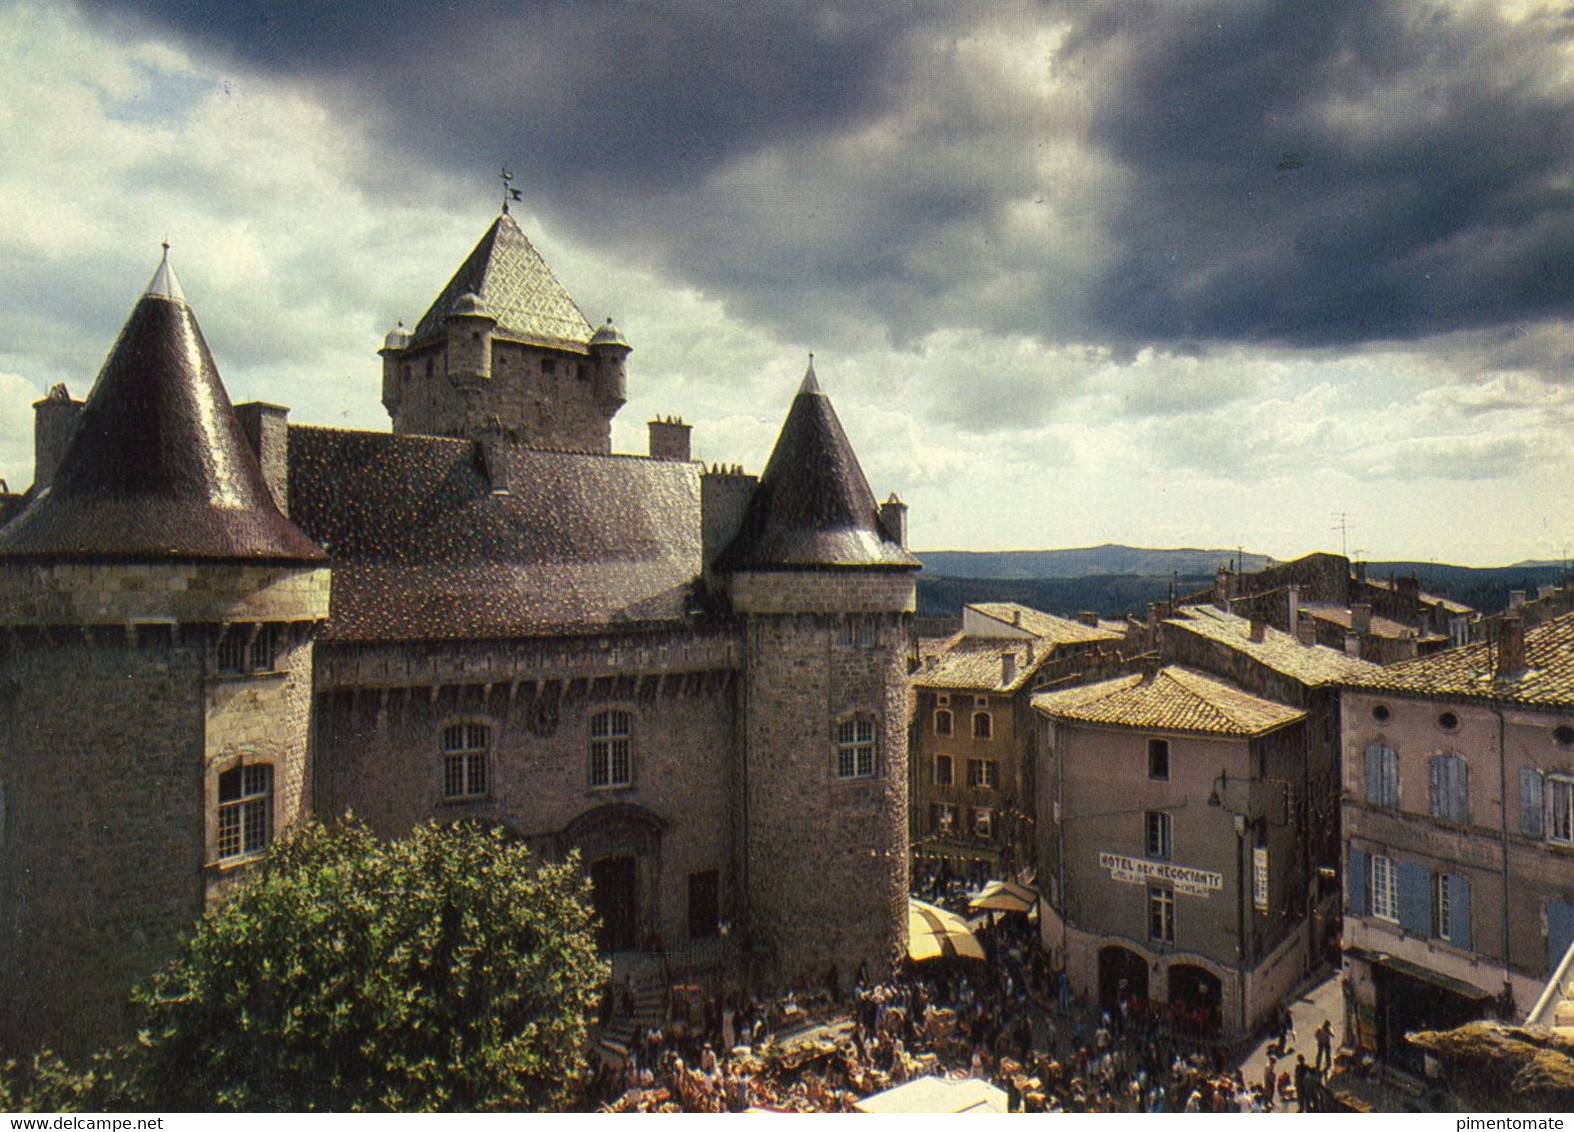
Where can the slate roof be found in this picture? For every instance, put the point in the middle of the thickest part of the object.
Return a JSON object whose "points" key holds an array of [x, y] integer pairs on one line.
{"points": [[813, 507], [158, 467], [517, 288], [433, 538], [1045, 626], [1173, 699], [1467, 672], [1312, 665], [974, 663]]}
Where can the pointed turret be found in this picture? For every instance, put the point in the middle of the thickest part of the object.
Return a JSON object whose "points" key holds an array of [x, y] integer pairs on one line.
{"points": [[813, 507], [515, 285], [159, 466]]}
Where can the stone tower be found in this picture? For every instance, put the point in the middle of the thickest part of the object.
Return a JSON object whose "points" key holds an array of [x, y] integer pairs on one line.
{"points": [[505, 351], [156, 623], [825, 593]]}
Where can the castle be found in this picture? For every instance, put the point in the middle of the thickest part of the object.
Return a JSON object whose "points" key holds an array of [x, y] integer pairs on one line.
{"points": [[215, 623]]}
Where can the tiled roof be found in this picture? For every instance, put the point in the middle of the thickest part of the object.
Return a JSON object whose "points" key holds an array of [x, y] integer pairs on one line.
{"points": [[1310, 664], [1443, 603], [813, 506], [434, 538], [974, 662], [1547, 680], [1044, 626], [158, 466], [1173, 699], [1340, 615], [516, 287]]}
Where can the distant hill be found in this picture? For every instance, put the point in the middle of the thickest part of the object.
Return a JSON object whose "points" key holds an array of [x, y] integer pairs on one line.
{"points": [[1115, 580], [1093, 561]]}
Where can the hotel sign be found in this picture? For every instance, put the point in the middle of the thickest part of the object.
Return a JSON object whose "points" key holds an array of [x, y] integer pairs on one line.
{"points": [[1140, 870]]}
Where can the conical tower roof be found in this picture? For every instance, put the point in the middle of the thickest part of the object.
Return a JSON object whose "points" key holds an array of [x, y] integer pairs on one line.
{"points": [[813, 507], [158, 466], [516, 287]]}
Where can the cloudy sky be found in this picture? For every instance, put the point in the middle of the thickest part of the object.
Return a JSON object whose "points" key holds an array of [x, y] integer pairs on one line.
{"points": [[1201, 274]]}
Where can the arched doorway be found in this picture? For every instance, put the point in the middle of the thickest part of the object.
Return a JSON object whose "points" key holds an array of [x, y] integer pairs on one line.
{"points": [[1122, 972], [1196, 1000], [620, 845]]}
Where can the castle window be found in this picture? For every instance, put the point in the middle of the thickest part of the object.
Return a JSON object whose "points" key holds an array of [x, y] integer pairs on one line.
{"points": [[1560, 809], [262, 649], [983, 725], [465, 750], [942, 770], [611, 757], [858, 632], [1384, 897], [245, 811], [943, 722], [855, 748], [1159, 759], [943, 818], [983, 774]]}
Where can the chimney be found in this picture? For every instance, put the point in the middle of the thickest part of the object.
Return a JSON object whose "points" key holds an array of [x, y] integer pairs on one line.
{"points": [[1221, 589], [1352, 644], [1295, 610], [1510, 648], [1516, 598], [1088, 617], [1306, 631], [669, 439], [1016, 616], [267, 429], [1361, 617], [724, 497], [1259, 628], [893, 517], [54, 422], [1030, 650], [1545, 590], [1008, 669]]}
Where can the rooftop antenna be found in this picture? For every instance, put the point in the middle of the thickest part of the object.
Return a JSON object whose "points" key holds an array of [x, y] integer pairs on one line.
{"points": [[509, 192], [1342, 525]]}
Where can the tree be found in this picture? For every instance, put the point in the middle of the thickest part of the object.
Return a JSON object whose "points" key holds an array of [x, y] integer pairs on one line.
{"points": [[449, 971]]}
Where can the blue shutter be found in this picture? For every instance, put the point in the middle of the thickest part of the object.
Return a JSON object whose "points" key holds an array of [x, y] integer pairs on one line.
{"points": [[1438, 766], [1415, 898], [1374, 775], [1459, 911], [1355, 882], [1460, 789], [1530, 804], [1560, 932]]}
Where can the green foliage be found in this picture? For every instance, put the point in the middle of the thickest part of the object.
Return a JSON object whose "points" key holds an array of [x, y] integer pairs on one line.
{"points": [[48, 1084], [449, 971]]}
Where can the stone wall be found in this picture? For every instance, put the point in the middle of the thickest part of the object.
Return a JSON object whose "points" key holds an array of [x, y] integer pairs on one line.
{"points": [[813, 592], [101, 756], [381, 713], [100, 593], [825, 856]]}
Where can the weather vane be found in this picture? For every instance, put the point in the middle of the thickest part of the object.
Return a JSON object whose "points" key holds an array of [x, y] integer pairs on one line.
{"points": [[509, 192]]}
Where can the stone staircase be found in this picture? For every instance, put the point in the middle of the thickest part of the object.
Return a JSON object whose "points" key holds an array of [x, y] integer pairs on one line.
{"points": [[643, 1008]]}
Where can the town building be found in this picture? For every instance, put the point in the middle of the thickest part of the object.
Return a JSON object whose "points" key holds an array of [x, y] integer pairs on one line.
{"points": [[1171, 825], [215, 623], [1458, 821], [1287, 668], [973, 748]]}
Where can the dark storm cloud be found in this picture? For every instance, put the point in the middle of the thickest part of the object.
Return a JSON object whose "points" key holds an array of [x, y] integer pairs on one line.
{"points": [[1334, 172], [1303, 174]]}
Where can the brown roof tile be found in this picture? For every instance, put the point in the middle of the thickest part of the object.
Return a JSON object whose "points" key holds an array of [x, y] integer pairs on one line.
{"points": [[973, 662], [1310, 664], [1173, 699], [1044, 626], [1467, 672]]}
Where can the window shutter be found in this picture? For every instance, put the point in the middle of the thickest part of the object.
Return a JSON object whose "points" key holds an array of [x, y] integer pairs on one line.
{"points": [[1560, 932], [1459, 911], [1374, 775], [1459, 789], [1530, 804], [1415, 898], [1355, 880], [1438, 765]]}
